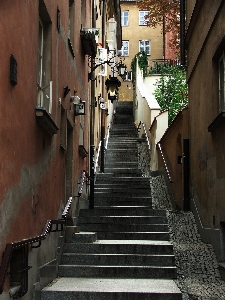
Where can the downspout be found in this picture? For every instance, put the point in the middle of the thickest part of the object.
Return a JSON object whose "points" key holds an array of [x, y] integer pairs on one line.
{"points": [[182, 33], [102, 168], [186, 166], [164, 39], [92, 119]]}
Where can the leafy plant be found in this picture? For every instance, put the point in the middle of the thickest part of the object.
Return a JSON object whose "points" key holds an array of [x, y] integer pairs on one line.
{"points": [[165, 13], [142, 63], [171, 90]]}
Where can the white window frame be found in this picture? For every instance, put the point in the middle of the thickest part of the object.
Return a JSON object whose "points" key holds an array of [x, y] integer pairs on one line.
{"points": [[128, 76], [71, 22], [142, 14], [222, 83], [125, 52], [125, 18], [148, 52], [40, 52], [44, 91]]}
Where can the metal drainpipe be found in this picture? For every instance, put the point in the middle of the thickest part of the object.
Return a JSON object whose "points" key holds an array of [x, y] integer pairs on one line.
{"points": [[164, 39], [182, 33], [92, 119], [102, 168]]}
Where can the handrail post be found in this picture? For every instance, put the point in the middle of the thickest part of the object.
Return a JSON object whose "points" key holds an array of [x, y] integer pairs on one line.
{"points": [[92, 175]]}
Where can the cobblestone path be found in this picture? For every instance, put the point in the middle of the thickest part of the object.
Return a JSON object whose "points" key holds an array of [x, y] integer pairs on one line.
{"points": [[198, 273]]}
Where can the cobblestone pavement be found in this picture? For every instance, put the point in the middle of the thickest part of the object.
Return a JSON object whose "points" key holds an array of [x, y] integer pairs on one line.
{"points": [[197, 267]]}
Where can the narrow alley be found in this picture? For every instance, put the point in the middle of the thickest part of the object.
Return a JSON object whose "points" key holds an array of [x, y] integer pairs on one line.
{"points": [[134, 245]]}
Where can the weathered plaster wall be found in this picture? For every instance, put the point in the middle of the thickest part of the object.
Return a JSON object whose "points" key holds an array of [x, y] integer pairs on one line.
{"points": [[207, 176]]}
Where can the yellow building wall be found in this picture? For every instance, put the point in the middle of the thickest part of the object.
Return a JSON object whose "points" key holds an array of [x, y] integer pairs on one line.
{"points": [[133, 33]]}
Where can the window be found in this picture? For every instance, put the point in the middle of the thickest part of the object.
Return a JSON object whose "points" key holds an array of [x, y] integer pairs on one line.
{"points": [[221, 83], [71, 21], [125, 48], [128, 76], [44, 83], [124, 18], [144, 45], [83, 13], [142, 20]]}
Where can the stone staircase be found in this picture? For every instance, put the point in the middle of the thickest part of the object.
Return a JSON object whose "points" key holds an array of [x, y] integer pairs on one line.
{"points": [[122, 250]]}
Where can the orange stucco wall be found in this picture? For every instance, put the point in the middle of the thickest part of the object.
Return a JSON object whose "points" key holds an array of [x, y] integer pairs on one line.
{"points": [[32, 164]]}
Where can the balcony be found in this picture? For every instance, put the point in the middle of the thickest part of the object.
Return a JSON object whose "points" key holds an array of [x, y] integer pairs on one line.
{"points": [[89, 37]]}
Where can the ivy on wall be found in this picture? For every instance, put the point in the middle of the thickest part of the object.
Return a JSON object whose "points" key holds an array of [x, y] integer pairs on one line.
{"points": [[142, 63], [171, 90]]}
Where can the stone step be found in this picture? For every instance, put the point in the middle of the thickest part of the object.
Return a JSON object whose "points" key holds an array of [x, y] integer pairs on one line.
{"points": [[117, 259], [122, 210], [126, 220], [123, 201], [120, 193], [122, 139], [124, 172], [134, 184], [121, 246], [122, 188], [85, 237], [109, 177], [117, 271], [130, 155], [121, 145], [111, 289], [123, 142], [157, 236], [123, 227], [123, 249]]}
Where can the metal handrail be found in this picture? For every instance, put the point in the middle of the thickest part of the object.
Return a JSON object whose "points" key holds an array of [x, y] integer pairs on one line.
{"points": [[107, 136], [81, 186], [165, 163], [48, 228], [145, 131], [6, 257], [97, 157]]}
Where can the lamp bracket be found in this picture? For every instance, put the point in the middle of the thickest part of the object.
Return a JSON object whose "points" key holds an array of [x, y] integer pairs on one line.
{"points": [[110, 62]]}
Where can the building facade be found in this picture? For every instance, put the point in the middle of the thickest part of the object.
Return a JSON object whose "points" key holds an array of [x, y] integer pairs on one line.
{"points": [[205, 77], [136, 37], [50, 124]]}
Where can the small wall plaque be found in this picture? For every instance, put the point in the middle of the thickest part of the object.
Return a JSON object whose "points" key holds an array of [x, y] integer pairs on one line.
{"points": [[79, 109]]}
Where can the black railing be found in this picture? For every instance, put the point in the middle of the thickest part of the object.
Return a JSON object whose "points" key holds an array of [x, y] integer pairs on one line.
{"points": [[143, 150], [165, 163], [35, 242], [15, 254], [158, 65]]}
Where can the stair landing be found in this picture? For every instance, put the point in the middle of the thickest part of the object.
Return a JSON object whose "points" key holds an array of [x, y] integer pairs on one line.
{"points": [[116, 288]]}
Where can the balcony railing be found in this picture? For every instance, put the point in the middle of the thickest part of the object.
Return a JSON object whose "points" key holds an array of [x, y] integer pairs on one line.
{"points": [[156, 66]]}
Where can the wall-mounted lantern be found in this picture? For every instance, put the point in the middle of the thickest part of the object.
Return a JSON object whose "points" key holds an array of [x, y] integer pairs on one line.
{"points": [[79, 105], [112, 86], [122, 69], [102, 103], [119, 67]]}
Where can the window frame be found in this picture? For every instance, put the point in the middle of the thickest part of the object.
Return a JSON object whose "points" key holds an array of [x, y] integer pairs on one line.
{"points": [[221, 75], [145, 46], [122, 49], [142, 18], [44, 81], [123, 18], [129, 76]]}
